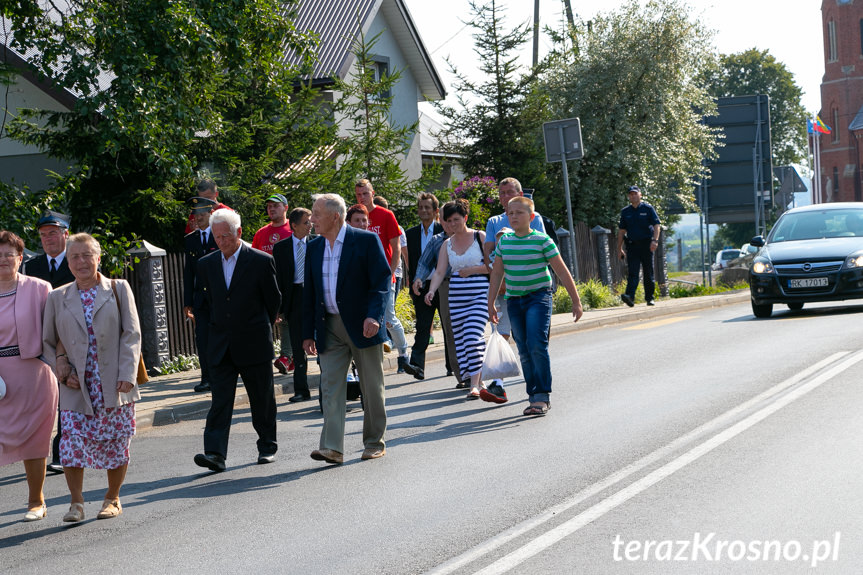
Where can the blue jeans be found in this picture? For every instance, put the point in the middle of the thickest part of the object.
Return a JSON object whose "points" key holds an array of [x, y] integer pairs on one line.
{"points": [[394, 326], [530, 318]]}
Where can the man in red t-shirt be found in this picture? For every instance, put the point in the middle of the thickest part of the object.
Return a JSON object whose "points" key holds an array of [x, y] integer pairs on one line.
{"points": [[278, 229], [265, 238], [206, 189], [383, 223]]}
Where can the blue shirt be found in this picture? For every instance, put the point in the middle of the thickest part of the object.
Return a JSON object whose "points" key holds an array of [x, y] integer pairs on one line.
{"points": [[638, 222], [428, 261], [497, 223]]}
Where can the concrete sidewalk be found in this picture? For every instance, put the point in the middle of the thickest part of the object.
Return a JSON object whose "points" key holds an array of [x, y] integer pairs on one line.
{"points": [[170, 398]]}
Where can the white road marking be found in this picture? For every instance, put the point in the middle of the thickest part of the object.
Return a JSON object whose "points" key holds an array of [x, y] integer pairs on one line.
{"points": [[516, 531], [566, 529]]}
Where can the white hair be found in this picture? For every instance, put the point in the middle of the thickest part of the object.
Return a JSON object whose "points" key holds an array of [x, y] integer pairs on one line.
{"points": [[334, 204], [227, 216]]}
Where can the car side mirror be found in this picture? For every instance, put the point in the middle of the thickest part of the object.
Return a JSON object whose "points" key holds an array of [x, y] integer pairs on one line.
{"points": [[757, 241]]}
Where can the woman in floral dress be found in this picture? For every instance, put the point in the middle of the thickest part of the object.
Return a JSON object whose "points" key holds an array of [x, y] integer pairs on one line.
{"points": [[96, 320]]}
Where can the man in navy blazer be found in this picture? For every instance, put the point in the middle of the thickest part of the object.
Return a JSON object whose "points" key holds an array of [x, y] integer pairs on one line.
{"points": [[290, 272], [347, 282], [240, 288], [418, 237]]}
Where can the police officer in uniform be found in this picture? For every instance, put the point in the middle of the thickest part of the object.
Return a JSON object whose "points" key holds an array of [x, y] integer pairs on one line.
{"points": [[53, 228], [196, 245], [637, 239], [51, 266]]}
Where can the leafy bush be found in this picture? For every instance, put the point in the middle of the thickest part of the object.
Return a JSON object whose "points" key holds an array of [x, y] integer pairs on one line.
{"points": [[178, 364], [680, 290], [482, 195], [595, 295]]}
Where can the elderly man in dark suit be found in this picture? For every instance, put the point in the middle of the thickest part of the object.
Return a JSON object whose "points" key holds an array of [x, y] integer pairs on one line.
{"points": [[195, 246], [240, 288], [51, 266], [290, 257], [418, 237], [347, 284]]}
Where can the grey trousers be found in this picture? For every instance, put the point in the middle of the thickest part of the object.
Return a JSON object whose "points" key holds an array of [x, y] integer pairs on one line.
{"points": [[335, 362]]}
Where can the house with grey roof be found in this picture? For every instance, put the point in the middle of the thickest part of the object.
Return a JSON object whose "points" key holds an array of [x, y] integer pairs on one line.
{"points": [[337, 24]]}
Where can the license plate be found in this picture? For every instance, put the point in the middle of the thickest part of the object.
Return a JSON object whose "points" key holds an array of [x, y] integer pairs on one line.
{"points": [[808, 283]]}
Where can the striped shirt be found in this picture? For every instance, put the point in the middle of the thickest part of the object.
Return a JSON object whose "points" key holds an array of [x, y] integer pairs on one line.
{"points": [[525, 262]]}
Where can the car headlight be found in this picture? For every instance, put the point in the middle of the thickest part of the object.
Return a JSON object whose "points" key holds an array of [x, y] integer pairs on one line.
{"points": [[854, 261], [762, 267]]}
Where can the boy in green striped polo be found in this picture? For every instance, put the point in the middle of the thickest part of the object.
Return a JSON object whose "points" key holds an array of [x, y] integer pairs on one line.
{"points": [[526, 255]]}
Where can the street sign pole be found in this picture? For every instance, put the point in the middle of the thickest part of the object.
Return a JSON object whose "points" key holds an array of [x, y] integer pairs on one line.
{"points": [[573, 254], [562, 143]]}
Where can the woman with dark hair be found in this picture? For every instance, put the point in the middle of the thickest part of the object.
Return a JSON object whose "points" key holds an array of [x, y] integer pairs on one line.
{"points": [[358, 217], [97, 400], [468, 289], [28, 389]]}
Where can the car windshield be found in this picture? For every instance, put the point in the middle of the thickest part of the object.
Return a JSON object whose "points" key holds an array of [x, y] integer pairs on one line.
{"points": [[818, 224], [730, 255]]}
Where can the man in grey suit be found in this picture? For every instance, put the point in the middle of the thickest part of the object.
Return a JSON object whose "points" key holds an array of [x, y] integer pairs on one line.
{"points": [[347, 283]]}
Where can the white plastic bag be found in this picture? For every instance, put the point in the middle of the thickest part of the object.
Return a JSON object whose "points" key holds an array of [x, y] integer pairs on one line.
{"points": [[2, 388], [500, 360]]}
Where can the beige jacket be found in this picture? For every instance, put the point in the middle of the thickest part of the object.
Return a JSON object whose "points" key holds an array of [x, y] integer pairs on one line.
{"points": [[118, 341]]}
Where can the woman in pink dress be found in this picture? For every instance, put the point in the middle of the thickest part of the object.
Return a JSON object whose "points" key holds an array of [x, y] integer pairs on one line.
{"points": [[96, 320], [27, 410]]}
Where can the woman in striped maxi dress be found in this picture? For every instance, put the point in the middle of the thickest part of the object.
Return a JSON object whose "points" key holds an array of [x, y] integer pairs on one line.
{"points": [[468, 290]]}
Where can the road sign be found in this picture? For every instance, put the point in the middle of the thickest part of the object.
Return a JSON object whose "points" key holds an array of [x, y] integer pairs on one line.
{"points": [[571, 139]]}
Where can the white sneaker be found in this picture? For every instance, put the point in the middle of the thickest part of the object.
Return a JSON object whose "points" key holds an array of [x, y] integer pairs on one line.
{"points": [[387, 347]]}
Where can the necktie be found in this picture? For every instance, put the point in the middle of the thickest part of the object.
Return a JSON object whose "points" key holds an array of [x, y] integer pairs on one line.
{"points": [[53, 265], [300, 263], [204, 239]]}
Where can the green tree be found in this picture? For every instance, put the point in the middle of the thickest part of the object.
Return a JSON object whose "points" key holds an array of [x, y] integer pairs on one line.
{"points": [[164, 89], [632, 82], [373, 145], [758, 72], [496, 125]]}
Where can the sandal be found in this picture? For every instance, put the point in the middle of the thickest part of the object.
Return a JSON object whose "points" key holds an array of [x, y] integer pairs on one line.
{"points": [[75, 513], [110, 509], [462, 385], [474, 393], [538, 408], [36, 513]]}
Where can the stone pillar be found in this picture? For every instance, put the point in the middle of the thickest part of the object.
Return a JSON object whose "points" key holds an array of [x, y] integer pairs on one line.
{"points": [[603, 254], [152, 310], [564, 246]]}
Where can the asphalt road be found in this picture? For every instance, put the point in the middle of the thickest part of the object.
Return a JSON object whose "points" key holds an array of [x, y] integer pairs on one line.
{"points": [[661, 433]]}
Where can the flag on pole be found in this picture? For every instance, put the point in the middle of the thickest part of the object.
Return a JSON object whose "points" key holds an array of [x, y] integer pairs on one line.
{"points": [[818, 126]]}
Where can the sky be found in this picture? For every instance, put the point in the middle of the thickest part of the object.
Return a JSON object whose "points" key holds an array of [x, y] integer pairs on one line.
{"points": [[789, 29]]}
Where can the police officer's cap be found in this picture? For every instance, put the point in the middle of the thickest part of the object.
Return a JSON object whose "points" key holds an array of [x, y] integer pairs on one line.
{"points": [[633, 189], [199, 204], [53, 219]]}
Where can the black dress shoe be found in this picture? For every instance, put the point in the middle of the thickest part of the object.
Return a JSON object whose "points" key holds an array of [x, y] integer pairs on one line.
{"points": [[266, 458], [299, 397], [414, 370], [203, 386], [212, 461], [55, 467], [449, 373]]}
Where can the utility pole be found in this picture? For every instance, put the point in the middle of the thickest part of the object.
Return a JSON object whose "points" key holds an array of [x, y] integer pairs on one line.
{"points": [[535, 33]]}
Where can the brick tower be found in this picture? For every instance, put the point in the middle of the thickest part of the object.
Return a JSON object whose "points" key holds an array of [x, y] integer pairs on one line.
{"points": [[842, 100]]}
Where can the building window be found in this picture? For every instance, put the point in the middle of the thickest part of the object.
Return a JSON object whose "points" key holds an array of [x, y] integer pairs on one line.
{"points": [[835, 125], [861, 36], [835, 183], [381, 72], [832, 55]]}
